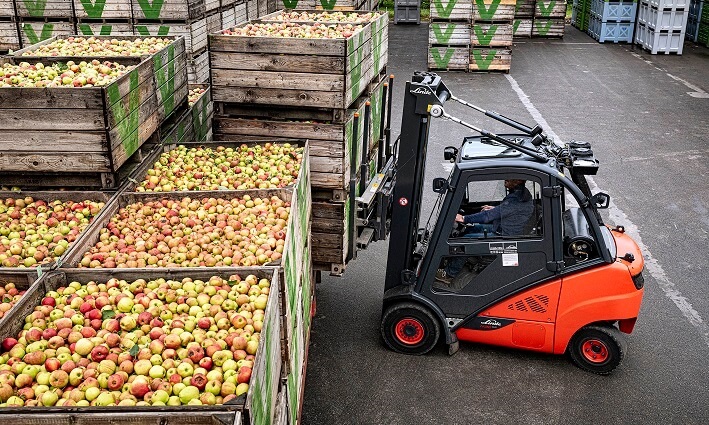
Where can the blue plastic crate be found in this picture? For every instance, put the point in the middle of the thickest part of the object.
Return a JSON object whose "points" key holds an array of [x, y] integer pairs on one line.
{"points": [[615, 32], [614, 10]]}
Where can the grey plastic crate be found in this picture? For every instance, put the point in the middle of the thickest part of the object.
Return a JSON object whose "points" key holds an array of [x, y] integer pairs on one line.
{"points": [[407, 13]]}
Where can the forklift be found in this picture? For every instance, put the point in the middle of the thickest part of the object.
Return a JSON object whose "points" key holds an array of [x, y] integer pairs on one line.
{"points": [[547, 274]]}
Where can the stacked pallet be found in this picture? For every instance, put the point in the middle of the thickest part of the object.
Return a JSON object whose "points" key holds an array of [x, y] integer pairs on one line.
{"points": [[612, 21], [549, 18], [329, 91], [491, 35], [524, 18], [99, 131], [581, 14], [661, 25], [449, 35]]}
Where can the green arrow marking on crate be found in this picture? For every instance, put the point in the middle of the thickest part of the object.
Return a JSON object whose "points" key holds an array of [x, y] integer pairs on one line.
{"points": [[47, 31], [542, 29], [35, 8], [483, 64], [356, 75], [86, 29], [328, 4], [442, 61], [515, 26], [166, 82], [127, 119], [290, 4], [484, 37], [143, 30], [444, 11], [151, 10], [487, 13], [94, 9], [546, 10], [442, 37]]}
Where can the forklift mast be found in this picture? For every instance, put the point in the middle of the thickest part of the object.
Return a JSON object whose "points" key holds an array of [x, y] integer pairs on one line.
{"points": [[423, 91]]}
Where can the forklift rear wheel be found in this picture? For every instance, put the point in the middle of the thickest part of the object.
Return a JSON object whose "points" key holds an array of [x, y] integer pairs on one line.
{"points": [[410, 328], [598, 349]]}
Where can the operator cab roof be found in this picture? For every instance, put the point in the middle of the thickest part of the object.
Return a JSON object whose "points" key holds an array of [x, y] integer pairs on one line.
{"points": [[481, 147]]}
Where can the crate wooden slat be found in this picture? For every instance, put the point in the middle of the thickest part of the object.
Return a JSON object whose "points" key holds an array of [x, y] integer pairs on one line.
{"points": [[449, 34], [239, 14], [550, 9], [198, 68], [102, 9], [41, 9], [524, 8], [522, 28], [168, 10], [549, 28], [491, 35], [195, 33], [7, 9], [494, 10], [105, 29], [448, 58], [35, 32], [490, 59], [214, 22], [453, 10], [251, 9], [9, 39]]}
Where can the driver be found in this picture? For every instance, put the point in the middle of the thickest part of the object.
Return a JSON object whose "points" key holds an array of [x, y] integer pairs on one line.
{"points": [[507, 219]]}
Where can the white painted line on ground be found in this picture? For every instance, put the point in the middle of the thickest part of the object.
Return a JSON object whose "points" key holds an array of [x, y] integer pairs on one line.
{"points": [[619, 217], [697, 91]]}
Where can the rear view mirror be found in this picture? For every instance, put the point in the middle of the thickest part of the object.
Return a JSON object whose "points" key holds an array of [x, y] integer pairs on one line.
{"points": [[440, 185], [450, 153], [601, 200]]}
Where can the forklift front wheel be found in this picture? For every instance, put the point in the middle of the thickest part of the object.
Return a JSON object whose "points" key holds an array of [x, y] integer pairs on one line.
{"points": [[410, 328], [597, 349]]}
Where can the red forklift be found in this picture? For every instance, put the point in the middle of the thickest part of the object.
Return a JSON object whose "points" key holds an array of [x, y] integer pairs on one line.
{"points": [[514, 252]]}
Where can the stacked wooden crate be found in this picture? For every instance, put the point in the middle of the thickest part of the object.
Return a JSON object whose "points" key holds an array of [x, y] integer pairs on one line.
{"points": [[329, 91], [449, 35], [612, 20], [549, 18], [524, 18], [9, 37], [40, 20], [109, 17], [661, 25], [581, 14], [491, 35]]}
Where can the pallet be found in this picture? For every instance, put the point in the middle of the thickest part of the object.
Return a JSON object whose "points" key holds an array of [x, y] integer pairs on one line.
{"points": [[493, 10], [324, 73], [448, 58], [491, 35], [106, 9], [548, 28], [490, 60], [448, 34], [522, 28]]}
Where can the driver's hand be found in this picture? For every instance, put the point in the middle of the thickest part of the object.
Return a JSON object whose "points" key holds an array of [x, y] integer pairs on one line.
{"points": [[459, 218], [486, 208]]}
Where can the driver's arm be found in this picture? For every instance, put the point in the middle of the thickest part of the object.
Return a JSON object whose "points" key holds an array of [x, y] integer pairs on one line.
{"points": [[487, 216]]}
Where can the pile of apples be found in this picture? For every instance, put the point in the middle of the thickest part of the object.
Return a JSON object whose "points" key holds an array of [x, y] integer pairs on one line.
{"points": [[140, 343], [194, 95], [35, 232], [92, 46], [193, 233], [264, 166], [294, 30], [328, 16], [71, 74], [9, 296]]}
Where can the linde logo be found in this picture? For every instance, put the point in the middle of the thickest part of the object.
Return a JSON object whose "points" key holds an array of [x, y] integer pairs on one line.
{"points": [[491, 322], [420, 90]]}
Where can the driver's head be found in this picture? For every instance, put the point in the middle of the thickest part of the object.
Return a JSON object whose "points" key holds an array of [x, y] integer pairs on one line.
{"points": [[511, 184]]}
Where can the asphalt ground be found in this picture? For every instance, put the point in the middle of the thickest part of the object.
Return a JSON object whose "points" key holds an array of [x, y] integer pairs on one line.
{"points": [[647, 117]]}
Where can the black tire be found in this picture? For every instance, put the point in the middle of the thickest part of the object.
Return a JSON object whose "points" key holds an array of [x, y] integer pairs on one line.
{"points": [[598, 349], [410, 328]]}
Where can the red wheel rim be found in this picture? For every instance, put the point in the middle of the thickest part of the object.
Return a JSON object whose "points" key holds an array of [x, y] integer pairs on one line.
{"points": [[409, 331], [595, 351]]}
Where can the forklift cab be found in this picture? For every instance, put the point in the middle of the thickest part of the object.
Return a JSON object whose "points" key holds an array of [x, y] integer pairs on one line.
{"points": [[532, 266]]}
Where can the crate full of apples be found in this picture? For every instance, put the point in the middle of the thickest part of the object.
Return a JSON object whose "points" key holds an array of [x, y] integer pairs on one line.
{"points": [[149, 341]]}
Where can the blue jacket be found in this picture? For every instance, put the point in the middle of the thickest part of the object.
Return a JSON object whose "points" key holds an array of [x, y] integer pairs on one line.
{"points": [[510, 217]]}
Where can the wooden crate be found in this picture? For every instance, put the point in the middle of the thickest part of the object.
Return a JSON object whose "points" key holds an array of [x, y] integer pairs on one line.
{"points": [[169, 10], [214, 22], [325, 73], [9, 39], [94, 130], [522, 28], [105, 29], [198, 68], [494, 10], [524, 8], [262, 7], [7, 10], [103, 9], [445, 58], [239, 14], [229, 17], [35, 32], [339, 4], [44, 9], [490, 60], [550, 9], [251, 9], [202, 114], [453, 10], [548, 28], [491, 35], [195, 33], [448, 34], [257, 407]]}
